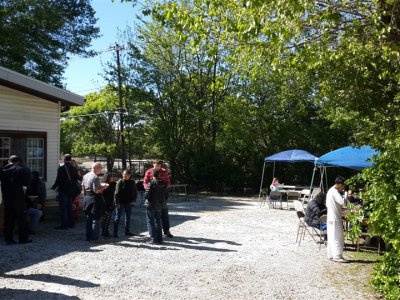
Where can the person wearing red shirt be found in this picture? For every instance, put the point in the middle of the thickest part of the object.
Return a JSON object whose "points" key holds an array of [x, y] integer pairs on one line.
{"points": [[163, 175]]}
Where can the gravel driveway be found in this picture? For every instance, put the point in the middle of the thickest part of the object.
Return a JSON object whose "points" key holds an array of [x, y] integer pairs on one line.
{"points": [[224, 248]]}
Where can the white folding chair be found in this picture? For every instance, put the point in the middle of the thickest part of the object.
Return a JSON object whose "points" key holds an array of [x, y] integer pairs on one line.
{"points": [[305, 195], [291, 196], [303, 228], [298, 206]]}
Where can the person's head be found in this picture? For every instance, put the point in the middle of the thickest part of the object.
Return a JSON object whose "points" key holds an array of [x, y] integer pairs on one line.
{"points": [[156, 173], [339, 183], [14, 159], [320, 199], [67, 158], [157, 164], [126, 174], [96, 168]]}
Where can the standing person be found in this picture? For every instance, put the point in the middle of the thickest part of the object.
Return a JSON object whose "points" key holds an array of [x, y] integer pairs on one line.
{"points": [[334, 203], [13, 178], [155, 196], [158, 165], [66, 183], [125, 198], [35, 199], [108, 196], [93, 202]]}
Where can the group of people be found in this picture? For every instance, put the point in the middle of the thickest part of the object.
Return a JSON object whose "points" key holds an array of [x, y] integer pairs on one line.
{"points": [[105, 200], [24, 195]]}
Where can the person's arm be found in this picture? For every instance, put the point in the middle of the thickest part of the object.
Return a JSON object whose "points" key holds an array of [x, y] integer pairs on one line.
{"points": [[147, 178], [134, 191]]}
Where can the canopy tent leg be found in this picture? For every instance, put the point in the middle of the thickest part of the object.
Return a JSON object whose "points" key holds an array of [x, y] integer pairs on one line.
{"points": [[262, 179]]}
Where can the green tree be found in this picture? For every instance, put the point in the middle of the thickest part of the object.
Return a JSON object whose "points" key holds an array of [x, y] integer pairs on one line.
{"points": [[37, 36]]}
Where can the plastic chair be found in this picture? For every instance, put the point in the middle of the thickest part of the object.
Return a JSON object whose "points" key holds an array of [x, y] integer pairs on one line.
{"points": [[274, 196]]}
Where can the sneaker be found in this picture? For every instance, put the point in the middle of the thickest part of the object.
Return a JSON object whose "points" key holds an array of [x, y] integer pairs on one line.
{"points": [[341, 260], [168, 234]]}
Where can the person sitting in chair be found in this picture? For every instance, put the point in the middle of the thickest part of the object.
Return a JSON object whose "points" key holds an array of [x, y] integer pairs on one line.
{"points": [[315, 209], [275, 185]]}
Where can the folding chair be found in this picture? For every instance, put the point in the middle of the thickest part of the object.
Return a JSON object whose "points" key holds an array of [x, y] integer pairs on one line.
{"points": [[306, 195], [291, 196], [322, 232], [263, 197], [303, 228], [274, 196], [298, 206]]}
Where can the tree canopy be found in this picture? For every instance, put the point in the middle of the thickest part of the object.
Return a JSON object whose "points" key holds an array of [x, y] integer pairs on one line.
{"points": [[38, 36]]}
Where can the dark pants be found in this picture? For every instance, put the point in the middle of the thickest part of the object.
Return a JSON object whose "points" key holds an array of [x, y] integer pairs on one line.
{"points": [[66, 211], [106, 223], [153, 218], [13, 212], [165, 220], [93, 227], [118, 213]]}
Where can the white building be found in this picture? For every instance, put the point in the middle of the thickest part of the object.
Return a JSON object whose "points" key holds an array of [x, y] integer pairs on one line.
{"points": [[30, 122]]}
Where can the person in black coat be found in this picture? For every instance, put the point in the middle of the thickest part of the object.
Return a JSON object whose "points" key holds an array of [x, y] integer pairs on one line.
{"points": [[14, 177], [108, 196], [315, 209], [155, 198]]}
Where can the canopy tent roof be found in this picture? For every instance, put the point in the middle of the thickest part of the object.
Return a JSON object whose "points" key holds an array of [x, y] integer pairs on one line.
{"points": [[291, 156], [348, 157]]}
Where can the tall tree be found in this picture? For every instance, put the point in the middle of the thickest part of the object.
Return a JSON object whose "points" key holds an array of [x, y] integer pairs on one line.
{"points": [[37, 36]]}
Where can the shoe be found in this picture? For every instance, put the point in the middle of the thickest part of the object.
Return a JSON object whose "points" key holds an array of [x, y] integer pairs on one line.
{"points": [[26, 242], [155, 242], [12, 242], [341, 260], [129, 233], [61, 228], [168, 234]]}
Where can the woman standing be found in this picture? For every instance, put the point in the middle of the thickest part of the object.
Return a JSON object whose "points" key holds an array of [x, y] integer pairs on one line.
{"points": [[125, 198], [108, 196]]}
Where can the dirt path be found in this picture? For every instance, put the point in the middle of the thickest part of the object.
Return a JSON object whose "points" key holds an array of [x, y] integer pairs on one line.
{"points": [[224, 248]]}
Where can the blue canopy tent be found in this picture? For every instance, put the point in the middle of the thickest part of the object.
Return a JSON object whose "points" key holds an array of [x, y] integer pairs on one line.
{"points": [[347, 157], [290, 156]]}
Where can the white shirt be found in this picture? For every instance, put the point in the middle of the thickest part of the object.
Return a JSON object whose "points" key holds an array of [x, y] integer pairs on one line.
{"points": [[334, 203]]}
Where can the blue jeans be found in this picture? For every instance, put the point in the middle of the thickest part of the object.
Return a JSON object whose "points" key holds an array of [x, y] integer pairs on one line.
{"points": [[93, 227], [153, 218], [35, 215], [118, 213], [66, 212]]}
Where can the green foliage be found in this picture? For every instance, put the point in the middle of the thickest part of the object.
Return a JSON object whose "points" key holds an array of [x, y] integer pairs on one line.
{"points": [[37, 36]]}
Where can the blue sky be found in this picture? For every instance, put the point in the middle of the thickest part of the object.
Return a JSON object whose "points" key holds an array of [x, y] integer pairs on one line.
{"points": [[81, 76]]}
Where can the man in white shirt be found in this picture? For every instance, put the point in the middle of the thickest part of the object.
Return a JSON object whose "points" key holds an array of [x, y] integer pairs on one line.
{"points": [[334, 203]]}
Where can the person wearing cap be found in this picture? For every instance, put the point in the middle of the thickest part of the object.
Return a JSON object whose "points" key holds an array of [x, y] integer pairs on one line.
{"points": [[163, 175], [14, 177], [66, 182]]}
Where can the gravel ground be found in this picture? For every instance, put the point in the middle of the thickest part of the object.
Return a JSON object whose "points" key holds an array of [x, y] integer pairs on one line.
{"points": [[224, 248]]}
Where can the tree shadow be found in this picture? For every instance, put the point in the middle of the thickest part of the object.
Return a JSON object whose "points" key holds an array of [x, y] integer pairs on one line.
{"points": [[53, 279], [6, 293]]}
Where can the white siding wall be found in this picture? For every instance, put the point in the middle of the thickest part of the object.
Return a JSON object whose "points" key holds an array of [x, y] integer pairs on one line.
{"points": [[24, 112]]}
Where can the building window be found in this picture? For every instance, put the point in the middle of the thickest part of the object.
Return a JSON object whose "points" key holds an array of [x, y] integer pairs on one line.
{"points": [[35, 154], [5, 144]]}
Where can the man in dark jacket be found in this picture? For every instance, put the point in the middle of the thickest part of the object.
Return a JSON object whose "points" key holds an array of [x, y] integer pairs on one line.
{"points": [[155, 198], [13, 178], [66, 183]]}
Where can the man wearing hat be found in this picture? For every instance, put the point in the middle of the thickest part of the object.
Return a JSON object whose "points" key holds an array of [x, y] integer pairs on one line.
{"points": [[13, 178]]}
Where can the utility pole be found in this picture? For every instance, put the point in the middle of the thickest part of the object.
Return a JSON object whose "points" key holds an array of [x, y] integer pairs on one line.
{"points": [[121, 108]]}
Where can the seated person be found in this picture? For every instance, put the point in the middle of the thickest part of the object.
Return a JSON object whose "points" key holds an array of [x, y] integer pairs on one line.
{"points": [[352, 198], [35, 199], [315, 209], [275, 185]]}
